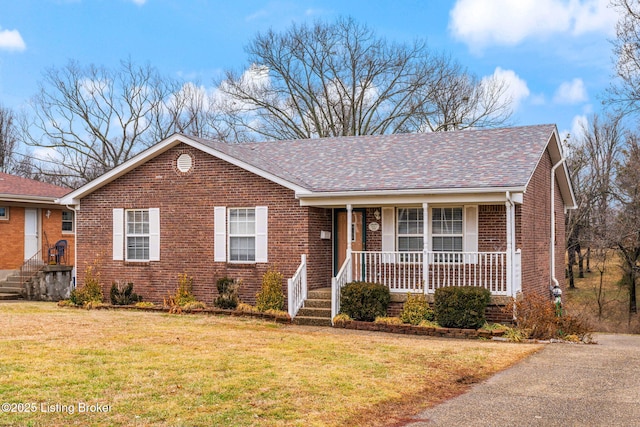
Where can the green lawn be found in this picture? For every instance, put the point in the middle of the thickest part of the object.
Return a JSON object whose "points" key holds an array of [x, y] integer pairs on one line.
{"points": [[144, 369]]}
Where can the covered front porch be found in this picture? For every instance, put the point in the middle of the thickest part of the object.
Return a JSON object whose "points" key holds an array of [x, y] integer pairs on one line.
{"points": [[418, 248]]}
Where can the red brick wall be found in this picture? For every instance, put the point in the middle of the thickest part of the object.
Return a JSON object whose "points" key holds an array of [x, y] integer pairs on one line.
{"points": [[12, 239], [186, 203], [533, 231], [12, 236]]}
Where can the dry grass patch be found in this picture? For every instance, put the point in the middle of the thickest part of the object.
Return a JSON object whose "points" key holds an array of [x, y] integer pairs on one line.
{"points": [[167, 370]]}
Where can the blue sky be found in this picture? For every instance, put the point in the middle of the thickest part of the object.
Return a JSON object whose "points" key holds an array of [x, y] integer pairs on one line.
{"points": [[555, 54]]}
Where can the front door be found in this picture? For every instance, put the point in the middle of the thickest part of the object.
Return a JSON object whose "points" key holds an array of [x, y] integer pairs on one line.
{"points": [[31, 235], [357, 235]]}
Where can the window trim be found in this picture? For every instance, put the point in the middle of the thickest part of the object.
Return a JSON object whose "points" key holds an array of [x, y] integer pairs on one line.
{"points": [[408, 259], [5, 217], [72, 221], [127, 235], [230, 236]]}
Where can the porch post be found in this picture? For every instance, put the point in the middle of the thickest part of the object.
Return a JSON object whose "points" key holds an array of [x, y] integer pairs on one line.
{"points": [[510, 238], [349, 237], [425, 246]]}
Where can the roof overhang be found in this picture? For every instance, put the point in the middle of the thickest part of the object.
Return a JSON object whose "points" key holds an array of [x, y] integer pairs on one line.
{"points": [[412, 197], [562, 173], [37, 201], [74, 197]]}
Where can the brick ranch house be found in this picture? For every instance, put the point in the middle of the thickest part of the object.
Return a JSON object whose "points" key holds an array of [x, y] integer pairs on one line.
{"points": [[412, 211], [31, 222]]}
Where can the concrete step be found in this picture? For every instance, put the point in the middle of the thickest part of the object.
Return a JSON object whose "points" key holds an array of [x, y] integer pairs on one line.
{"points": [[9, 296], [322, 293], [315, 312], [318, 303], [5, 289], [312, 321], [11, 281]]}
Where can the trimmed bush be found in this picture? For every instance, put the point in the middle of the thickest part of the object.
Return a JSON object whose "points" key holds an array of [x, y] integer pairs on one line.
{"points": [[122, 294], [227, 294], [461, 306], [270, 296], [364, 300], [416, 309]]}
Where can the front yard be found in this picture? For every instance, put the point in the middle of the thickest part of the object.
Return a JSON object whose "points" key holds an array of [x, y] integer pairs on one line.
{"points": [[78, 367]]}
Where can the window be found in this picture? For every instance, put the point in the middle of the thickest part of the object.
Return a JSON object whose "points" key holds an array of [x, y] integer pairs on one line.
{"points": [[4, 213], [410, 229], [242, 235], [137, 228], [67, 221], [446, 232]]}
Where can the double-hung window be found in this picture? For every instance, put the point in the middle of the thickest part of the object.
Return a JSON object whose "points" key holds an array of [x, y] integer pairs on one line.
{"points": [[4, 213], [447, 232], [137, 235], [242, 235], [67, 222], [410, 233]]}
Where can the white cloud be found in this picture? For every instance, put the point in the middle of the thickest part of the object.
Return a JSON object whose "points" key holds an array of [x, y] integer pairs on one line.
{"points": [[139, 2], [572, 92], [516, 89], [578, 125], [481, 23], [11, 40]]}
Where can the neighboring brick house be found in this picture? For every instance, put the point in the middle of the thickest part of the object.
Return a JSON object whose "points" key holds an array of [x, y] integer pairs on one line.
{"points": [[480, 199], [31, 221]]}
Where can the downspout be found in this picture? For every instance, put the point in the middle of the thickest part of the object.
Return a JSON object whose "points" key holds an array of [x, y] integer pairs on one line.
{"points": [[509, 205], [553, 224], [75, 243]]}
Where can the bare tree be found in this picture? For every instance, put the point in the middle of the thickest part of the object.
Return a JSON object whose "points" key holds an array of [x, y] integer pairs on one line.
{"points": [[94, 118], [628, 218], [8, 140], [624, 94], [592, 162], [342, 79]]}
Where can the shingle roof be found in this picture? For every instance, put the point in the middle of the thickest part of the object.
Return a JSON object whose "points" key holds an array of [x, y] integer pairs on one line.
{"points": [[18, 186], [493, 158]]}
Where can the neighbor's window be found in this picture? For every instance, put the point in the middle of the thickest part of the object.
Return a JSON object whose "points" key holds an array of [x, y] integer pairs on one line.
{"points": [[446, 229], [138, 235], [242, 235], [4, 213], [67, 221]]}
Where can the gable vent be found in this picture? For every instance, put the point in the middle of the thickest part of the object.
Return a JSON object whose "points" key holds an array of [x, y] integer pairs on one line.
{"points": [[184, 163]]}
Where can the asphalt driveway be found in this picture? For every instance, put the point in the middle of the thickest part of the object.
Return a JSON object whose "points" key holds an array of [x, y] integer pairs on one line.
{"points": [[562, 385]]}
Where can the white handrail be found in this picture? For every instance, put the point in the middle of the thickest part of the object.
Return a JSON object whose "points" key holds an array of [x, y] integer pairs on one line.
{"points": [[297, 288], [337, 283]]}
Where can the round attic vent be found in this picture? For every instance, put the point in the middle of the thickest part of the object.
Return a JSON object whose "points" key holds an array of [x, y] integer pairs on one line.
{"points": [[184, 163]]}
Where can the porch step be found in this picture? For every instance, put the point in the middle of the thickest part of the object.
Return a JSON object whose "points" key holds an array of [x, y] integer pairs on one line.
{"points": [[321, 293], [312, 321], [10, 296], [316, 310]]}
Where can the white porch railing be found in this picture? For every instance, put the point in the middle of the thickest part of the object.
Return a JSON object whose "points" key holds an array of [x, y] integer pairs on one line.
{"points": [[297, 288], [337, 283], [399, 271], [407, 271]]}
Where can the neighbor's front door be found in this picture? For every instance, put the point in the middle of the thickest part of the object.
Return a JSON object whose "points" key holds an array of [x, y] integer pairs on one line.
{"points": [[357, 235], [31, 235]]}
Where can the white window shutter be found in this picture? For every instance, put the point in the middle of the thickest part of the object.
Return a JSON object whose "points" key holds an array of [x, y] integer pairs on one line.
{"points": [[261, 234], [471, 232], [154, 234], [118, 234], [220, 234], [388, 234]]}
